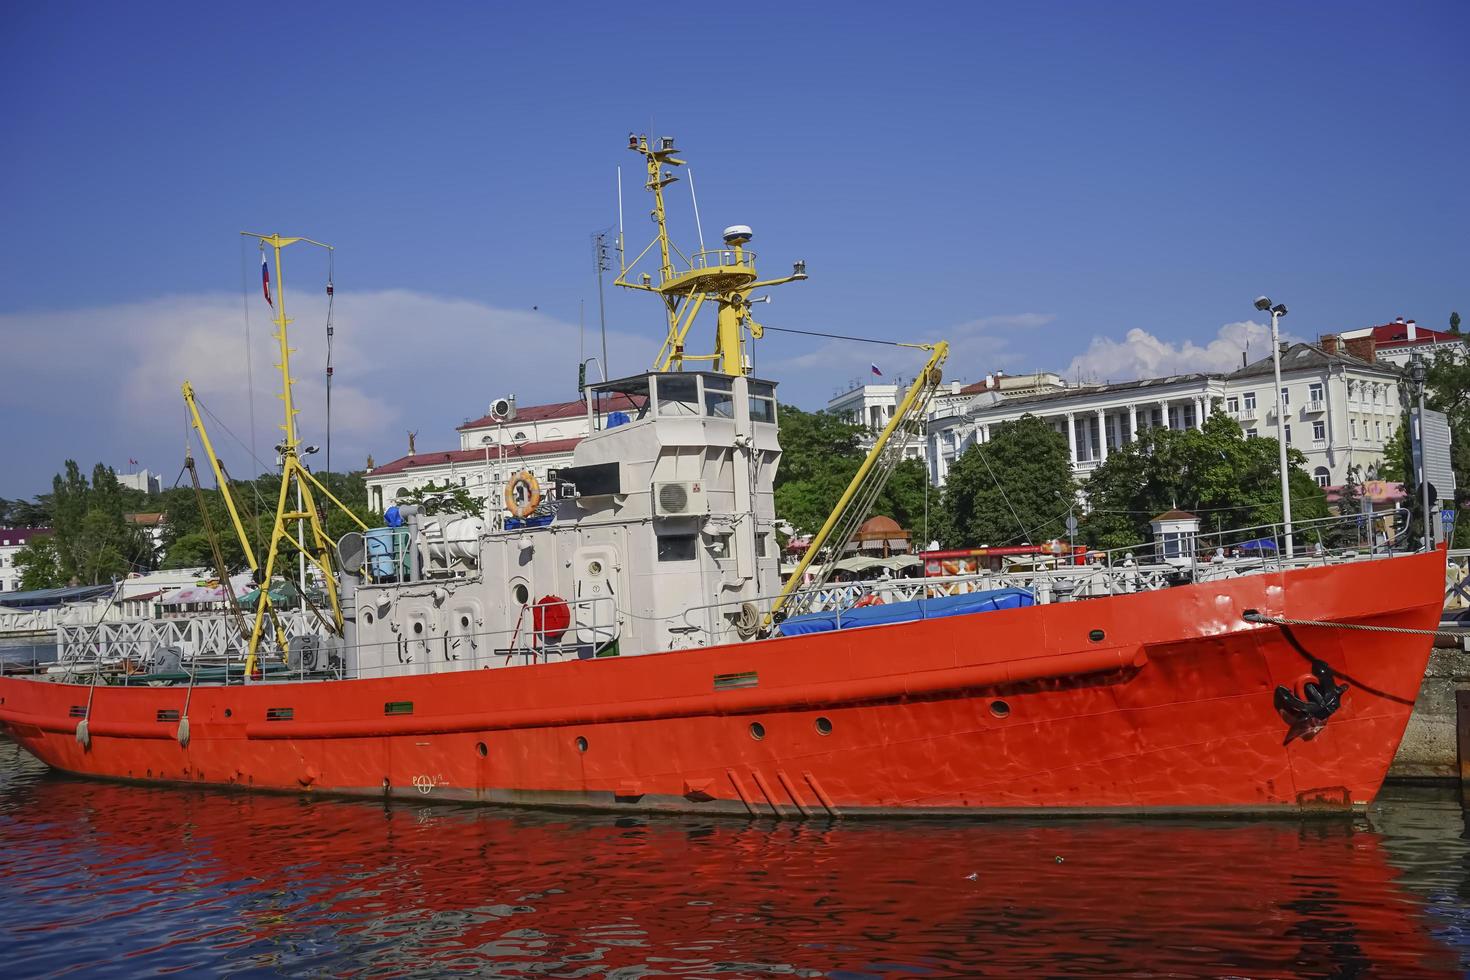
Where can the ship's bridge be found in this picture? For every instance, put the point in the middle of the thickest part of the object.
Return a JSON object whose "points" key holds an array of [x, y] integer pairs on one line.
{"points": [[681, 394]]}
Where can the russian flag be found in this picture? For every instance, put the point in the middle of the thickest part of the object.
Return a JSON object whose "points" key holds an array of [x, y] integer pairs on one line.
{"points": [[265, 280], [876, 372]]}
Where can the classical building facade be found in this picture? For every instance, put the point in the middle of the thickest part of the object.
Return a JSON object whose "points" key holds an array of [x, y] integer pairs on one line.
{"points": [[1342, 407], [872, 405]]}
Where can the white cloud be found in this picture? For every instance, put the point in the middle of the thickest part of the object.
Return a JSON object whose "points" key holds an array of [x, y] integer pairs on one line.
{"points": [[103, 382], [1140, 354]]}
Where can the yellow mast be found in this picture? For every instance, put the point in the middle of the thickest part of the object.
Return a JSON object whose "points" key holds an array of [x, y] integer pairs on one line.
{"points": [[293, 472], [725, 276]]}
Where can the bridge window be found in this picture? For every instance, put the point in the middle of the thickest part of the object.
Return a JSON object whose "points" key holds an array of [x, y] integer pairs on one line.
{"points": [[678, 395], [718, 401], [762, 401]]}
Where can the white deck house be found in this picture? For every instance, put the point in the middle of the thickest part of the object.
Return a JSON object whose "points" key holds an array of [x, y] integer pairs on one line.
{"points": [[1341, 409]]}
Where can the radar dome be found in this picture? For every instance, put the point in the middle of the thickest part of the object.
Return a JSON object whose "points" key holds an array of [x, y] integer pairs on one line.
{"points": [[738, 234]]}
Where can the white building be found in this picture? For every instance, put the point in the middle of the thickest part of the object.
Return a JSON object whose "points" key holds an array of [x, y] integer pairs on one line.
{"points": [[1342, 405], [539, 438], [1341, 409], [12, 539], [872, 405], [142, 480], [1095, 418]]}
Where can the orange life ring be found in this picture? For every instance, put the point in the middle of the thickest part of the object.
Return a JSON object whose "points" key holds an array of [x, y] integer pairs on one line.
{"points": [[522, 494], [871, 599]]}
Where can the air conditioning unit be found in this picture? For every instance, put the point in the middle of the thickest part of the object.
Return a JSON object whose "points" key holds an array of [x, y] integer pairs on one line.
{"points": [[679, 499]]}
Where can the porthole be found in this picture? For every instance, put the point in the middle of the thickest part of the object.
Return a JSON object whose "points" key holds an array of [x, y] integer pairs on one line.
{"points": [[1097, 636], [228, 712], [757, 730], [367, 617], [418, 628], [520, 593], [581, 744], [482, 749], [824, 726], [1000, 709], [594, 567], [464, 622]]}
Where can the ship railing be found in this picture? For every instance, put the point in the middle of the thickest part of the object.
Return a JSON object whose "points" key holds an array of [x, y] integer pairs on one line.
{"points": [[129, 644], [1117, 571], [717, 258]]}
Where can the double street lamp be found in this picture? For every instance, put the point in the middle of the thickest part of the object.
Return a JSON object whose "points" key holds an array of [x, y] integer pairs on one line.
{"points": [[1277, 311]]}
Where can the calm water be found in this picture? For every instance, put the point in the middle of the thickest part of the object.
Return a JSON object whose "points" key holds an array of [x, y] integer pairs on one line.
{"points": [[105, 880]]}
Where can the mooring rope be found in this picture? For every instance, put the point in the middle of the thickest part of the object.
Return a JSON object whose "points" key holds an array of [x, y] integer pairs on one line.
{"points": [[1252, 616]]}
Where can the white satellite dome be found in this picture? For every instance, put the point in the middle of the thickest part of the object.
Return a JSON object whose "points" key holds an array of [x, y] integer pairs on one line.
{"points": [[736, 234]]}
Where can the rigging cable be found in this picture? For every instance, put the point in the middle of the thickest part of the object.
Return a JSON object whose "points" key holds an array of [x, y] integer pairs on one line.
{"points": [[838, 336], [1025, 534], [331, 299]]}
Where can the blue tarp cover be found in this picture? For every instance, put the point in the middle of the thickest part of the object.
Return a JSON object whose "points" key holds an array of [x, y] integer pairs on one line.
{"points": [[903, 612]]}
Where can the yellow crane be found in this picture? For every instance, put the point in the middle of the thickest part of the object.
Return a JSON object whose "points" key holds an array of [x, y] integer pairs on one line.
{"points": [[316, 546], [867, 483]]}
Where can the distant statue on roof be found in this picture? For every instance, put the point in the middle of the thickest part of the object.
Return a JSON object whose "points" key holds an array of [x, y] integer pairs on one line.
{"points": [[411, 437], [370, 463]]}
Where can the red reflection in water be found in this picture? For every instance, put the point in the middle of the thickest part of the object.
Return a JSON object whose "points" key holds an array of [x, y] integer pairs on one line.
{"points": [[92, 873]]}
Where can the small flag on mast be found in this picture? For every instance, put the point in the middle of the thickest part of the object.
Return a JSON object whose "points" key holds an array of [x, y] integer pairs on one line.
{"points": [[876, 372], [265, 280]]}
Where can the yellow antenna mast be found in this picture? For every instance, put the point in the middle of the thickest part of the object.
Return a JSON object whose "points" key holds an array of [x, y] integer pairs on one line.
{"points": [[293, 473], [725, 276]]}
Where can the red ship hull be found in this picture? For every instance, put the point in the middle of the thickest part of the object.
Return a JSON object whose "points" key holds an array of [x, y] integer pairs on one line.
{"points": [[1156, 701]]}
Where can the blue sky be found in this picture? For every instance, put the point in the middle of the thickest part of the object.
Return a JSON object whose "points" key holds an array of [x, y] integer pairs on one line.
{"points": [[1095, 188]]}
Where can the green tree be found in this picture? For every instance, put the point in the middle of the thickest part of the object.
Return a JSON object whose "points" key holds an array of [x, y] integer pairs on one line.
{"points": [[91, 540], [1454, 322], [445, 498], [1447, 390], [1016, 487], [39, 566], [820, 454], [1214, 472], [1395, 465]]}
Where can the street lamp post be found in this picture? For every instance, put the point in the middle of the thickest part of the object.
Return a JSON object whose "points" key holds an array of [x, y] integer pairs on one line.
{"points": [[1418, 373], [1278, 311]]}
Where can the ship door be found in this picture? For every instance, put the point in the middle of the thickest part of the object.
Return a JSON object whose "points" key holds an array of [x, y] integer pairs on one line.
{"points": [[462, 643], [417, 650], [596, 611]]}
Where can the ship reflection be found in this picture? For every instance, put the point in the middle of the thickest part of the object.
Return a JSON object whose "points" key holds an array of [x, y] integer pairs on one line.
{"points": [[95, 874]]}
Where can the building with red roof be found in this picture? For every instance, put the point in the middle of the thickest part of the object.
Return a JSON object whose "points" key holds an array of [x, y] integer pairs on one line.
{"points": [[491, 450], [1398, 341]]}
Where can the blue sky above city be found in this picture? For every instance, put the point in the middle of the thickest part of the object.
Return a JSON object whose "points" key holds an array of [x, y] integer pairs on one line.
{"points": [[1096, 189]]}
